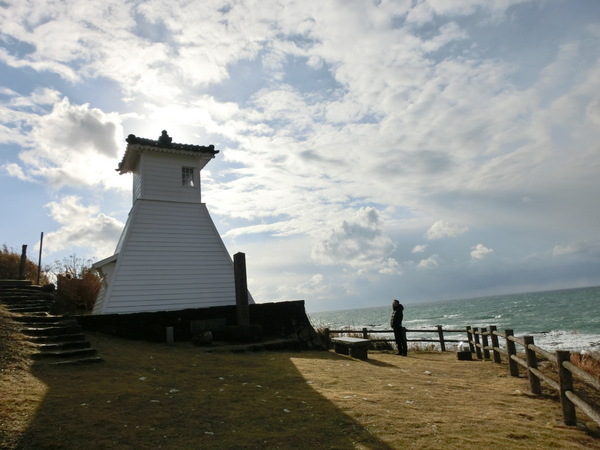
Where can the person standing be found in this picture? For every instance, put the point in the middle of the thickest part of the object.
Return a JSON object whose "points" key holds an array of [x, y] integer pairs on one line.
{"points": [[396, 324]]}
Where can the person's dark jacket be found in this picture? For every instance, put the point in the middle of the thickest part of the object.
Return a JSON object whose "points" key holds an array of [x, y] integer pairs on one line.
{"points": [[397, 316]]}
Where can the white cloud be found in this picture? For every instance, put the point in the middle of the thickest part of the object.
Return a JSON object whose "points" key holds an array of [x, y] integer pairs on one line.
{"points": [[359, 243], [442, 229], [81, 226], [480, 251], [430, 263], [391, 267], [14, 170], [588, 248], [419, 248], [73, 145], [315, 286]]}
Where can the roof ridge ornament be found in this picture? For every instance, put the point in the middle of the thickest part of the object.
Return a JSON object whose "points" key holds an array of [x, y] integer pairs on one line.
{"points": [[164, 140]]}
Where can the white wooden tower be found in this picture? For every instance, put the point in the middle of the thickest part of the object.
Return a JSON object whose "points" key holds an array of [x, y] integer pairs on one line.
{"points": [[170, 255]]}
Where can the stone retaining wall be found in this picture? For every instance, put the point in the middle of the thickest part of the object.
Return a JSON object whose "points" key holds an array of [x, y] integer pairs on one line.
{"points": [[281, 320]]}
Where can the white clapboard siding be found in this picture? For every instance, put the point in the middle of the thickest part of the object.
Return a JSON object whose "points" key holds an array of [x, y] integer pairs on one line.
{"points": [[161, 177], [137, 185], [170, 257]]}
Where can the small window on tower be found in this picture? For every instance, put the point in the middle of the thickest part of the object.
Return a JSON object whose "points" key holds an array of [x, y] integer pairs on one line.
{"points": [[187, 176]]}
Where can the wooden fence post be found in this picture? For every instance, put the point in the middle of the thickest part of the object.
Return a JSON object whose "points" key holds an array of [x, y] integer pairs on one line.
{"points": [[565, 381], [365, 335], [512, 351], [495, 344], [441, 336], [484, 343], [470, 339], [534, 381], [327, 340], [23, 261], [477, 345]]}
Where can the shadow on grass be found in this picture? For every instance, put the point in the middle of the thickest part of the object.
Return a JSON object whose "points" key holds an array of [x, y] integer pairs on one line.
{"points": [[153, 396]]}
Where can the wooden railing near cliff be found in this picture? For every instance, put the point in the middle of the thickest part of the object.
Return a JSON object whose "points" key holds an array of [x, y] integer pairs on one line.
{"points": [[564, 369], [485, 343], [365, 333]]}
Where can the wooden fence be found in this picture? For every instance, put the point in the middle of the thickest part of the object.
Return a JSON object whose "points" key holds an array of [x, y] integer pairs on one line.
{"points": [[485, 343]]}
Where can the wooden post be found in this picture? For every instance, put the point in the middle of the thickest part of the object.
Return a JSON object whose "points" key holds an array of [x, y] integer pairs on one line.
{"points": [[22, 264], [495, 344], [40, 258], [565, 381], [327, 338], [470, 339], [477, 345], [364, 333], [511, 348], [241, 289], [534, 381], [441, 336], [484, 343], [170, 336]]}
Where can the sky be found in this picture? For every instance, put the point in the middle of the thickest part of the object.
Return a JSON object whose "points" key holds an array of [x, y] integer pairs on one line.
{"points": [[422, 150]]}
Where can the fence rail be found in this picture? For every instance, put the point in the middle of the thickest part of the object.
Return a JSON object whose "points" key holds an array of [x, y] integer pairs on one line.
{"points": [[366, 333], [485, 343]]}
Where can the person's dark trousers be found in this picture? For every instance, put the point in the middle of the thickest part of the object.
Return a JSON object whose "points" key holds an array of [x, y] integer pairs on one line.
{"points": [[400, 337]]}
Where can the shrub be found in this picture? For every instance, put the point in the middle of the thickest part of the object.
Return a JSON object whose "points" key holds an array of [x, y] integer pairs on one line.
{"points": [[10, 262], [77, 285], [77, 295], [590, 362]]}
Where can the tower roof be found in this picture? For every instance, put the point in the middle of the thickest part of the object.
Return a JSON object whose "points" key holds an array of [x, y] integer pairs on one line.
{"points": [[163, 144]]}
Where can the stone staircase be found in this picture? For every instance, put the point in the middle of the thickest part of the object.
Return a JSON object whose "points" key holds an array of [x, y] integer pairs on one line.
{"points": [[57, 338]]}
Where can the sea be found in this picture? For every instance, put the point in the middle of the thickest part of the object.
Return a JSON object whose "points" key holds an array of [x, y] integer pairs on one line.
{"points": [[566, 319]]}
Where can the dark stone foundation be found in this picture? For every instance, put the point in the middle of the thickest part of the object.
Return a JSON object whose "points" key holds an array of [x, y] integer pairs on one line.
{"points": [[281, 320]]}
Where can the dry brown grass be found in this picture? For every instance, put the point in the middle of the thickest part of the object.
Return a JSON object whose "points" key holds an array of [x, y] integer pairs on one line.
{"points": [[590, 362], [153, 396]]}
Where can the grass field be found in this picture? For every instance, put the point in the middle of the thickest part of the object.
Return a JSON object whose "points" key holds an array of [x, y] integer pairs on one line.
{"points": [[149, 395]]}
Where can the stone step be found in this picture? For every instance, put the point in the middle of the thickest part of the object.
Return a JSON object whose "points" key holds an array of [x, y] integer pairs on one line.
{"points": [[51, 331], [30, 302], [8, 284], [77, 361], [53, 325], [23, 296], [30, 309], [57, 338], [67, 353], [58, 346], [47, 324], [42, 318]]}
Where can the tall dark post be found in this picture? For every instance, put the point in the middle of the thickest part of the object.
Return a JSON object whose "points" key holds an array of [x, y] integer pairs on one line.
{"points": [[495, 344], [534, 381], [470, 339], [23, 260], [441, 337], [512, 353], [40, 258], [241, 289], [565, 378], [485, 343], [477, 344]]}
